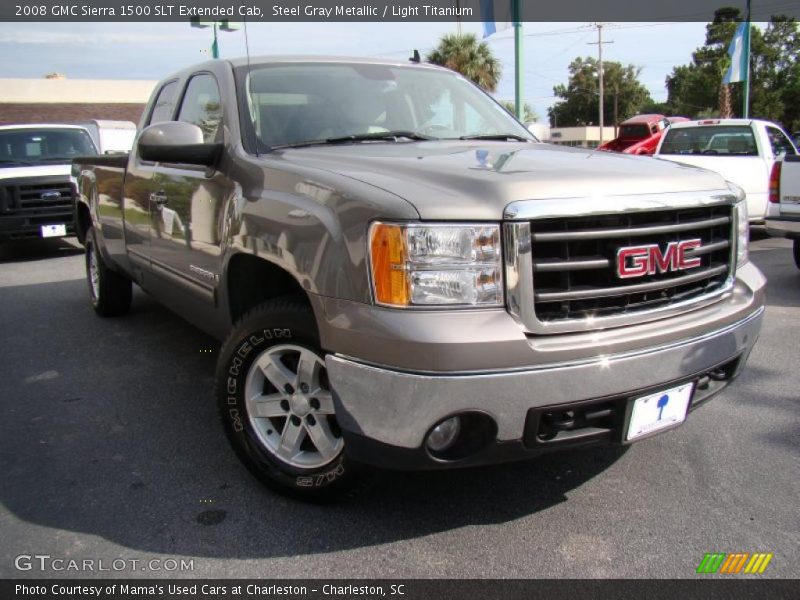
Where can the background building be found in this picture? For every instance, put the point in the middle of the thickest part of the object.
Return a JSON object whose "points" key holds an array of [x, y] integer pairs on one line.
{"points": [[56, 98], [583, 137]]}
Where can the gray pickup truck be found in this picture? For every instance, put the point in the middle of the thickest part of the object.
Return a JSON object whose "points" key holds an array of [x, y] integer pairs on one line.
{"points": [[404, 277]]}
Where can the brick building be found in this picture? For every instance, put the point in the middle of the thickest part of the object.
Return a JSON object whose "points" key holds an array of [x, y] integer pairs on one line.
{"points": [[61, 100]]}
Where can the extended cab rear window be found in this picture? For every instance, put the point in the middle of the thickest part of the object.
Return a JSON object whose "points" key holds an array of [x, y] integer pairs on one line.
{"points": [[714, 140], [634, 132]]}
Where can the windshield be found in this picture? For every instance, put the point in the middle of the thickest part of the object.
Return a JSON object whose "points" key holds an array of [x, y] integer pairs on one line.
{"points": [[722, 140], [43, 146], [301, 103]]}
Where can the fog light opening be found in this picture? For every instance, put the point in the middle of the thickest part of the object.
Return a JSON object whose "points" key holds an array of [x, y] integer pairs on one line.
{"points": [[444, 435]]}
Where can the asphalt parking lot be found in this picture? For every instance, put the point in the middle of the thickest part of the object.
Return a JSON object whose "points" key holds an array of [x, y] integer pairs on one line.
{"points": [[110, 448]]}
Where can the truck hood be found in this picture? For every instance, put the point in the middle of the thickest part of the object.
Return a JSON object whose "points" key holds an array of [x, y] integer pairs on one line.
{"points": [[477, 180], [34, 171]]}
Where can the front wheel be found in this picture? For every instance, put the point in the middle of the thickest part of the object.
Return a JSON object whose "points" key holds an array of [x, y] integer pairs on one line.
{"points": [[277, 405], [796, 251]]}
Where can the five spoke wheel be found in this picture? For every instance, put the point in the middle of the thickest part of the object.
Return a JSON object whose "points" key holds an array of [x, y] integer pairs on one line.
{"points": [[290, 406]]}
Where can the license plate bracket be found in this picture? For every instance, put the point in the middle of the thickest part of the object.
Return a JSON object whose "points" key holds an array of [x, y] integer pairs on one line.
{"points": [[659, 410]]}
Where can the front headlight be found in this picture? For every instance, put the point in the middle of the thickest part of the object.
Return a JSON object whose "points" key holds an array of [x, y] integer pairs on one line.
{"points": [[436, 264], [742, 225]]}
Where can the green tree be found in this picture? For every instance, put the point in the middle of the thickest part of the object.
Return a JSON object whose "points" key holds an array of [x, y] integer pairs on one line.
{"points": [[694, 90], [470, 57], [581, 96], [528, 114]]}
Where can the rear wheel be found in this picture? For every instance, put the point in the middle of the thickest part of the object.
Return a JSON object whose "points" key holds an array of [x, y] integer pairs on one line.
{"points": [[277, 406], [109, 291], [796, 250]]}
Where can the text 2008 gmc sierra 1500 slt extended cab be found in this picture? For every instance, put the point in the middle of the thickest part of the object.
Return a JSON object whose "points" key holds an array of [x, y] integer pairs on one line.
{"points": [[404, 277]]}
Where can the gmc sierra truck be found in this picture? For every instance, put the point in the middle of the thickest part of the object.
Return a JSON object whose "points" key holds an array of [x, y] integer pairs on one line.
{"points": [[404, 277], [37, 194], [783, 210]]}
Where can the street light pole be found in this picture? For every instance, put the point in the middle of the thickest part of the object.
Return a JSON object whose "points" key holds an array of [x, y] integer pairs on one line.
{"points": [[746, 99], [223, 25], [519, 104]]}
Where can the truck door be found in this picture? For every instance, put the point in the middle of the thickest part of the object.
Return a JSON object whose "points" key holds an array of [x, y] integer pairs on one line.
{"points": [[140, 185], [186, 206]]}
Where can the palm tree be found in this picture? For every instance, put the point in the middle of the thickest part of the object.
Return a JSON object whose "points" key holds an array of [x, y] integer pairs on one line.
{"points": [[473, 59]]}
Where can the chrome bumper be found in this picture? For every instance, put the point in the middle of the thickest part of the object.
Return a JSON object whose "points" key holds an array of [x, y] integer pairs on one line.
{"points": [[783, 227], [398, 408]]}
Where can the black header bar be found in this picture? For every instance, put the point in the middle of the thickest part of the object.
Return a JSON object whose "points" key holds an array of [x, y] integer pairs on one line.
{"points": [[333, 11], [701, 587]]}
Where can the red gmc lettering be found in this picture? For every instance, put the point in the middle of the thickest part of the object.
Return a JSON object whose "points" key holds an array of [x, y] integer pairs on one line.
{"points": [[637, 261], [683, 261]]}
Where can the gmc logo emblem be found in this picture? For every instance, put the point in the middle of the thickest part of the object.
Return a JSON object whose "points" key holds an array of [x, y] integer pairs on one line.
{"points": [[638, 261]]}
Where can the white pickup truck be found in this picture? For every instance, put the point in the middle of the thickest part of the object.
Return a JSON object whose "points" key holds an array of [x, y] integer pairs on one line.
{"points": [[37, 191], [783, 209], [741, 150]]}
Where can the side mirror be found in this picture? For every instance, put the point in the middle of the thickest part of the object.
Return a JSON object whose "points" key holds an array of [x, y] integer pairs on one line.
{"points": [[177, 142]]}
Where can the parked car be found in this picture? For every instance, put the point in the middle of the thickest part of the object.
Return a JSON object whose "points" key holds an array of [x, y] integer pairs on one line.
{"points": [[640, 134], [783, 210], [111, 137], [405, 278], [741, 150], [37, 193]]}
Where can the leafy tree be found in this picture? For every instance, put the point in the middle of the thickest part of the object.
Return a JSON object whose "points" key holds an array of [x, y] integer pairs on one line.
{"points": [[694, 90], [580, 97], [470, 57], [528, 114]]}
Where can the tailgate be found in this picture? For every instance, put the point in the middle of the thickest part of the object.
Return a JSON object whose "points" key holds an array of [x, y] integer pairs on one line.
{"points": [[790, 187]]}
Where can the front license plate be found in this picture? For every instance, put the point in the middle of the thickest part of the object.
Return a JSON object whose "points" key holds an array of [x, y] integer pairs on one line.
{"points": [[53, 230], [659, 411]]}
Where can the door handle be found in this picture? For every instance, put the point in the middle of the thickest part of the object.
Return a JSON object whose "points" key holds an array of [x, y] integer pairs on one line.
{"points": [[158, 198]]}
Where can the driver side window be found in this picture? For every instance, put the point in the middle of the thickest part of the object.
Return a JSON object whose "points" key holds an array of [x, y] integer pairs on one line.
{"points": [[201, 106]]}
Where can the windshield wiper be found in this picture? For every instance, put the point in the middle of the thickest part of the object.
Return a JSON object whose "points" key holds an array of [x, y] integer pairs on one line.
{"points": [[380, 136], [500, 137]]}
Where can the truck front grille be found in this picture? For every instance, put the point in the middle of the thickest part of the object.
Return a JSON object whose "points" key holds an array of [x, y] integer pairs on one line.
{"points": [[44, 195], [37, 196], [575, 261]]}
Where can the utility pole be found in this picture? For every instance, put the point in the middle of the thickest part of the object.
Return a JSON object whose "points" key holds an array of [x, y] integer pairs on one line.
{"points": [[600, 43], [616, 110]]}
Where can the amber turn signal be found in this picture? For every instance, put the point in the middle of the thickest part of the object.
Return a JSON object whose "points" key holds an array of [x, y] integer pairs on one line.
{"points": [[389, 258]]}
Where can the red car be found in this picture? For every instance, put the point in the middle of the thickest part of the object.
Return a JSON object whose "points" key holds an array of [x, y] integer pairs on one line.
{"points": [[640, 134]]}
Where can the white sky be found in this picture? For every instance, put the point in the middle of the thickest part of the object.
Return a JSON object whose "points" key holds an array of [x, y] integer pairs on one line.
{"points": [[153, 50]]}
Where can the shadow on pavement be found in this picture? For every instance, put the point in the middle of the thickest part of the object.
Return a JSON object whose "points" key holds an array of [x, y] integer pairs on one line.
{"points": [[775, 259], [38, 249], [109, 428]]}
